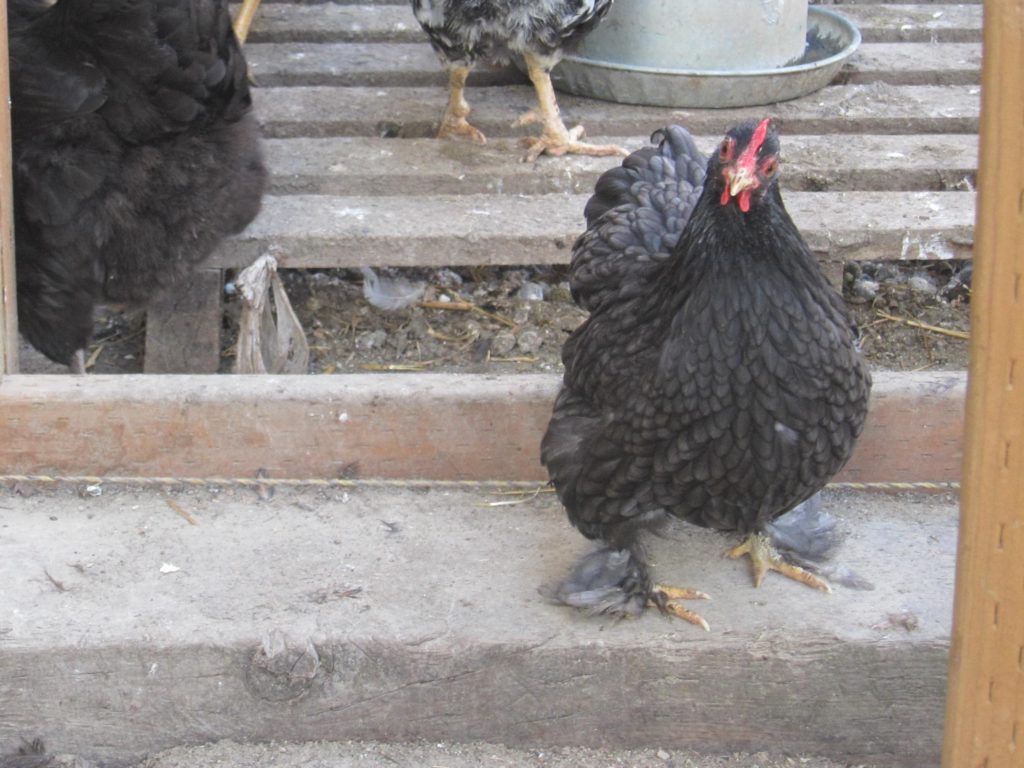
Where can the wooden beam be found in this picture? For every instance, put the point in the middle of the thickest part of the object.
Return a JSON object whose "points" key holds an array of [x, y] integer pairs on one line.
{"points": [[428, 426], [8, 306], [183, 326], [985, 706]]}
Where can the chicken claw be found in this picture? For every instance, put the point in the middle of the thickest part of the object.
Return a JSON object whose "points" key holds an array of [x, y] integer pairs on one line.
{"points": [[569, 143], [555, 139], [764, 558], [666, 598]]}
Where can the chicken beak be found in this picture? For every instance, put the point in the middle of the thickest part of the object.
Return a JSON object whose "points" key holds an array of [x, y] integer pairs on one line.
{"points": [[740, 179]]}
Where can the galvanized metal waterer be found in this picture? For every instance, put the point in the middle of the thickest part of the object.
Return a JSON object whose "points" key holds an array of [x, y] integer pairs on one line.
{"points": [[708, 53]]}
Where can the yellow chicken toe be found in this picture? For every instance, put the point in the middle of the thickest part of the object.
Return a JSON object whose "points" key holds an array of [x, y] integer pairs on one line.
{"points": [[764, 558]]}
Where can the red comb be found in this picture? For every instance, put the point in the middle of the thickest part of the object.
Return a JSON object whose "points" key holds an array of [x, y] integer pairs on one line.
{"points": [[747, 159]]}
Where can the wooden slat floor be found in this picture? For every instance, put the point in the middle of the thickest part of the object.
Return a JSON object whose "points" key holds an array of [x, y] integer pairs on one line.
{"points": [[878, 165]]}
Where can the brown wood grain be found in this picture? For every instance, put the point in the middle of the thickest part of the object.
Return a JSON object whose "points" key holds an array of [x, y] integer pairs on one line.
{"points": [[985, 707], [183, 326], [431, 426]]}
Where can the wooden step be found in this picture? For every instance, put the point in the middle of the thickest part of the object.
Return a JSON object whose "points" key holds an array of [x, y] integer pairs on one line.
{"points": [[440, 230], [361, 64], [416, 112], [358, 166], [416, 64], [318, 426]]}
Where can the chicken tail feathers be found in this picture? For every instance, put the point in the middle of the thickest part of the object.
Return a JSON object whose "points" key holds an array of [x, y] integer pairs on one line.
{"points": [[635, 217], [674, 163]]}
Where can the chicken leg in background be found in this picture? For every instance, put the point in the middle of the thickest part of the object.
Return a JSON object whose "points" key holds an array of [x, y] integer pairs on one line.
{"points": [[717, 379], [463, 32], [135, 152], [243, 19]]}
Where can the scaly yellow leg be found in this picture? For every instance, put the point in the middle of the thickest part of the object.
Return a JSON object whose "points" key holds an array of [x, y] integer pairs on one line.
{"points": [[764, 558], [555, 138], [453, 122], [244, 19]]}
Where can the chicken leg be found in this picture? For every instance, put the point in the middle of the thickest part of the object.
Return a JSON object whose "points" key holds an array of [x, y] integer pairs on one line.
{"points": [[555, 138], [764, 558], [453, 122], [244, 19]]}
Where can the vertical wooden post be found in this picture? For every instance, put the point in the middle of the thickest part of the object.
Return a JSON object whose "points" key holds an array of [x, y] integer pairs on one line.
{"points": [[985, 706], [8, 307]]}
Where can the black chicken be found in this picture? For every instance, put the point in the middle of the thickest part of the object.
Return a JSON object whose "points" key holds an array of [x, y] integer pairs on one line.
{"points": [[466, 31], [717, 379], [135, 153]]}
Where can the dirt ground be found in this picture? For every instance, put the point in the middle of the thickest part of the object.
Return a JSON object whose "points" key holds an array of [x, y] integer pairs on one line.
{"points": [[515, 320]]}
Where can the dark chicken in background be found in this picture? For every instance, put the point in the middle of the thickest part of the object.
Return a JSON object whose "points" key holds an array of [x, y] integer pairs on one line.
{"points": [[717, 379], [135, 153], [463, 32]]}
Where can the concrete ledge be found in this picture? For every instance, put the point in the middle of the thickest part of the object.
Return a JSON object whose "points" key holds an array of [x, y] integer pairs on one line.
{"points": [[432, 426], [400, 615]]}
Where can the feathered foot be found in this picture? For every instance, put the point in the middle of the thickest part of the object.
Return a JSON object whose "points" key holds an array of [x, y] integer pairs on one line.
{"points": [[764, 558], [453, 122], [615, 582], [555, 139]]}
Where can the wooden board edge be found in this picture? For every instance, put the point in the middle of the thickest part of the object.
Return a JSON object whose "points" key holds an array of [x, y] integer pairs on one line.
{"points": [[418, 426]]}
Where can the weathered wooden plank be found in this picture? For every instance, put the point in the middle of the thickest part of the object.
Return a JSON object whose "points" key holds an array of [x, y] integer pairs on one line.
{"points": [[919, 23], [416, 112], [361, 166], [404, 616], [183, 326], [345, 23], [362, 64], [335, 23], [320, 426], [415, 64], [440, 230], [915, 64]]}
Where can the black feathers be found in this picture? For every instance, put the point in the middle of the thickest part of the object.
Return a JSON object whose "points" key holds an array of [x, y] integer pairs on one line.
{"points": [[717, 378], [135, 153]]}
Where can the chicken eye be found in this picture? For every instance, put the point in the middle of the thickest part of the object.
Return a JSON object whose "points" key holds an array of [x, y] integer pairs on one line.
{"points": [[725, 150], [769, 168]]}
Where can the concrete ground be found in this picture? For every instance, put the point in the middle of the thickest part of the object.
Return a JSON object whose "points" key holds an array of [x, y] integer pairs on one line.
{"points": [[137, 621]]}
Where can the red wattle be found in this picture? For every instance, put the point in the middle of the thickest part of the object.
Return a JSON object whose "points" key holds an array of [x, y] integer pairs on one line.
{"points": [[744, 198]]}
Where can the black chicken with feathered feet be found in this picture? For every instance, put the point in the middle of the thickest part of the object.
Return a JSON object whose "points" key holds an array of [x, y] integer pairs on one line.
{"points": [[717, 380]]}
